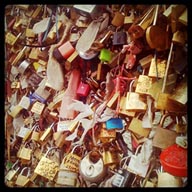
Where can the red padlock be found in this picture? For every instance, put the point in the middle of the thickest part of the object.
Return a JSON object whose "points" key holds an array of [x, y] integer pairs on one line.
{"points": [[174, 160], [83, 89]]}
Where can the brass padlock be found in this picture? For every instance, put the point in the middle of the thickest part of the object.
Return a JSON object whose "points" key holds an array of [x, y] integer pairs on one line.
{"points": [[110, 157], [71, 160], [12, 172], [118, 19], [23, 180], [24, 152], [47, 168]]}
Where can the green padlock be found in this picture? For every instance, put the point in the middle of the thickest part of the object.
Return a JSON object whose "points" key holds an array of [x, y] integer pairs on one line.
{"points": [[105, 55]]}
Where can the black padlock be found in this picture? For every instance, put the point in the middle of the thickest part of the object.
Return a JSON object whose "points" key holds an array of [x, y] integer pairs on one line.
{"points": [[119, 38], [123, 178]]}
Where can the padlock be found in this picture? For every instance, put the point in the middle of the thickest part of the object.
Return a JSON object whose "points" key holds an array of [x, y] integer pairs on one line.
{"points": [[14, 111], [136, 127], [164, 136], [181, 127], [123, 178], [12, 172], [24, 152], [114, 123], [22, 180], [41, 94], [35, 136], [37, 108], [144, 83], [119, 37], [23, 66], [25, 102], [47, 168], [83, 89], [46, 133], [105, 55], [136, 165], [133, 100], [167, 180], [66, 178], [118, 19], [66, 49], [110, 157], [71, 160], [107, 135], [160, 66], [92, 168]]}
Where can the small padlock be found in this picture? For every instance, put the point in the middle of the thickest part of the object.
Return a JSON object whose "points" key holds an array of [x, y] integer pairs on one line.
{"points": [[24, 152], [119, 38], [114, 123], [105, 55], [118, 19], [35, 136], [23, 180], [110, 157], [12, 172], [92, 167], [123, 178], [181, 127], [83, 89], [66, 49], [41, 94]]}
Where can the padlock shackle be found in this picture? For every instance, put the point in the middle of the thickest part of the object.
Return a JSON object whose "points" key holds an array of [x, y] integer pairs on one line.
{"points": [[50, 150], [28, 173], [16, 162]]}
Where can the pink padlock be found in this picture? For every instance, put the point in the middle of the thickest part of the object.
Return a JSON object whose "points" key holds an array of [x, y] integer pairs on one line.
{"points": [[66, 49]]}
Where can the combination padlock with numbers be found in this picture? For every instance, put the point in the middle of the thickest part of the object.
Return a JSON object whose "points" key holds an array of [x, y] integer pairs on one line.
{"points": [[123, 178]]}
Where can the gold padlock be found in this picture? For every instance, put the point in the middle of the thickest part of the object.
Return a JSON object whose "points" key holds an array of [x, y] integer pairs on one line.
{"points": [[110, 157], [12, 172], [23, 180], [47, 168], [24, 152]]}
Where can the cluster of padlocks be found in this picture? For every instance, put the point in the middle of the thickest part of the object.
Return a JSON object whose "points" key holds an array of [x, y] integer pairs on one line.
{"points": [[96, 95]]}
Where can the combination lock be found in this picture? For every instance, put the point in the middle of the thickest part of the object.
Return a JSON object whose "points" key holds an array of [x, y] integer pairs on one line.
{"points": [[123, 178]]}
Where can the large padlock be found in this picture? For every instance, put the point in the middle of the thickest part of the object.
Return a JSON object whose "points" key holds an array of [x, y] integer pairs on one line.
{"points": [[23, 180], [119, 38], [92, 167], [47, 168], [164, 137]]}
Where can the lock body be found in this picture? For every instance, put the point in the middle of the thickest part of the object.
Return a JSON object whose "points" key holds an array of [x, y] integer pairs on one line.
{"points": [[92, 171], [83, 89], [123, 178], [119, 38]]}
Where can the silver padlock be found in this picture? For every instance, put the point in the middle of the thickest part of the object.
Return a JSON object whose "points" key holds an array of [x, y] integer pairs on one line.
{"points": [[92, 167]]}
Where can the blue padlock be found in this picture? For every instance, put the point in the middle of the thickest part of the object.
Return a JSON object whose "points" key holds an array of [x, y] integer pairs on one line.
{"points": [[114, 123]]}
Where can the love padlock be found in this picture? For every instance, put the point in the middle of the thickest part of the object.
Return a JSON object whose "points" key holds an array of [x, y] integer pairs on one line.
{"points": [[92, 167]]}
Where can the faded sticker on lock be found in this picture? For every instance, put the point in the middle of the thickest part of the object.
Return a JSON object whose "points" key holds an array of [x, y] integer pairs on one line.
{"points": [[72, 161]]}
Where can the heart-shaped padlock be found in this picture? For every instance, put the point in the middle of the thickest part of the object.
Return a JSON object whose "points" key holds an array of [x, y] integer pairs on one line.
{"points": [[92, 167]]}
